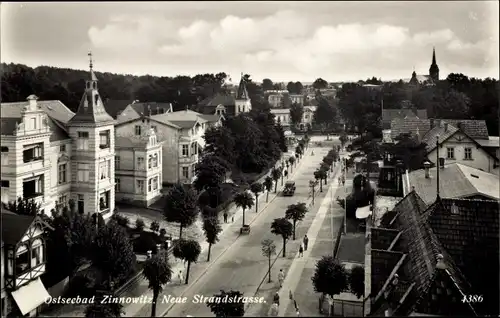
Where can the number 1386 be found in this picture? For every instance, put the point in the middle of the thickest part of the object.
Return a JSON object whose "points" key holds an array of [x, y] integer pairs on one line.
{"points": [[472, 299]]}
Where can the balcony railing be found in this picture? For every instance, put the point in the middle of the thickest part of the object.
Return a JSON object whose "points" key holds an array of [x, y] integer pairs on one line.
{"points": [[106, 146], [32, 159], [33, 195]]}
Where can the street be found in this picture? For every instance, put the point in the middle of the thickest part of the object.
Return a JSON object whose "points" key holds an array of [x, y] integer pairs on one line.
{"points": [[241, 265]]}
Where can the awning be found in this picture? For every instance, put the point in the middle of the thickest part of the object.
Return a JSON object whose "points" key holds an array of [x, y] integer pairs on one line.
{"points": [[30, 296], [363, 212]]}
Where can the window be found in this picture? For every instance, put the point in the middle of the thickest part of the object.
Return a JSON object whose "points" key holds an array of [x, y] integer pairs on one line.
{"points": [[83, 172], [150, 185], [140, 187], [137, 130], [150, 161], [450, 153], [62, 148], [5, 149], [104, 139], [83, 140], [117, 162], [185, 150], [63, 200], [33, 123], [32, 152], [117, 185], [5, 184], [104, 169], [155, 183], [155, 160], [185, 172], [468, 154], [140, 163], [5, 155], [22, 259], [62, 173], [104, 201], [36, 253], [33, 187]]}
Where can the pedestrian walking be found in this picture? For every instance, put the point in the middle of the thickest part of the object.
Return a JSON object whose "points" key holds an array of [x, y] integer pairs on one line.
{"points": [[301, 251], [232, 219], [340, 180], [276, 299], [274, 309], [290, 295], [281, 277], [180, 276], [306, 242], [286, 173], [225, 217], [343, 181]]}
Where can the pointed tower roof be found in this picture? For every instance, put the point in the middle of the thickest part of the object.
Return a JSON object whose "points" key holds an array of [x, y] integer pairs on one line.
{"points": [[91, 109], [242, 89], [434, 56]]}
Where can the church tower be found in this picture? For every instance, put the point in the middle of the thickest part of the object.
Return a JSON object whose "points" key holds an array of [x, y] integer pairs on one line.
{"points": [[93, 147], [434, 69], [242, 102]]}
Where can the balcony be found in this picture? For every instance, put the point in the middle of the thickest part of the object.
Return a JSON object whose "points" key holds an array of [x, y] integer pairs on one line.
{"points": [[188, 159], [33, 188]]}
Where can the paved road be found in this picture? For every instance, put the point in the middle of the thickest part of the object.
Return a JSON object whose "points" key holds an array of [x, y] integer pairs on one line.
{"points": [[241, 265]]}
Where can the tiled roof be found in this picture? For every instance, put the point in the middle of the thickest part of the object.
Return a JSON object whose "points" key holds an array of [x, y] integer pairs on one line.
{"points": [[404, 126], [444, 133], [383, 262], [91, 109], [145, 107], [457, 181], [115, 106], [219, 99], [14, 226], [209, 118], [57, 112], [475, 128], [186, 124]]}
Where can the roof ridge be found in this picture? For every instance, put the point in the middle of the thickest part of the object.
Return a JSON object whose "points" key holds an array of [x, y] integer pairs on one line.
{"points": [[465, 176]]}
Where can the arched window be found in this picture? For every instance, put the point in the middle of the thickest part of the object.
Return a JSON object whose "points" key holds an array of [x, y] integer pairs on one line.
{"points": [[96, 99], [88, 85], [37, 255], [94, 85], [22, 262]]}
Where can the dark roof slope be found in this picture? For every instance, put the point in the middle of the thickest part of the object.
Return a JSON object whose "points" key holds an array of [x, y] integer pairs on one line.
{"points": [[115, 106], [14, 226]]}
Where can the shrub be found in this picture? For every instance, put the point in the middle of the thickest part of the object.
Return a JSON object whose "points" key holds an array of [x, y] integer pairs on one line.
{"points": [[155, 226], [139, 225], [121, 220]]}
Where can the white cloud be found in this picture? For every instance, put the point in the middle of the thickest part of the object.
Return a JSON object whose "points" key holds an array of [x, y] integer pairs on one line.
{"points": [[280, 43]]}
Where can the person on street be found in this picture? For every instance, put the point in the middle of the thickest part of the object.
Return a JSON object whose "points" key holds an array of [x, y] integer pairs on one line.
{"points": [[274, 309], [180, 277], [306, 241], [225, 217], [340, 180], [276, 299], [312, 153], [343, 181], [281, 277], [301, 251], [286, 173]]}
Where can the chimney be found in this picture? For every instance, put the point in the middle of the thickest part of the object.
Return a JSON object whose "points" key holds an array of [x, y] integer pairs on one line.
{"points": [[446, 127], [440, 262], [431, 121], [427, 166]]}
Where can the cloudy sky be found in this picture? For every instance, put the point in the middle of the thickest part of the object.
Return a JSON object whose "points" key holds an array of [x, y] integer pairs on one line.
{"points": [[338, 41]]}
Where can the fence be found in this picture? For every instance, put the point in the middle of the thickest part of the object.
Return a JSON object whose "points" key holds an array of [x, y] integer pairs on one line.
{"points": [[347, 308]]}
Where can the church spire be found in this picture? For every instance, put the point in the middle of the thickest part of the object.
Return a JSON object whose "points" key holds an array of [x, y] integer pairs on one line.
{"points": [[434, 69], [91, 109], [242, 89], [433, 56]]}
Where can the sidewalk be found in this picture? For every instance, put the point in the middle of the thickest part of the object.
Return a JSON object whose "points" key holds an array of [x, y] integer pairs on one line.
{"points": [[227, 237]]}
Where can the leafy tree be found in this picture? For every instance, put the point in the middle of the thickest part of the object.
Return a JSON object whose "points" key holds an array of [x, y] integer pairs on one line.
{"points": [[268, 185], [328, 162], [220, 142], [212, 229], [268, 250], [292, 161], [357, 281], [210, 172], [325, 114], [284, 228], [296, 113], [256, 188], [276, 175], [319, 175], [157, 272], [320, 83], [181, 207], [296, 212], [290, 87], [100, 309], [220, 307], [267, 84], [312, 185], [330, 277], [112, 253], [299, 150], [244, 200], [24, 206], [188, 250]]}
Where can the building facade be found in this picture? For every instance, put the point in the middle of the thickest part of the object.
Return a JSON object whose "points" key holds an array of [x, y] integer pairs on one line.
{"points": [[138, 167], [282, 115]]}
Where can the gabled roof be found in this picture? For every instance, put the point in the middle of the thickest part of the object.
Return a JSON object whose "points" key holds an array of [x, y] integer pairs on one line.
{"points": [[218, 99], [476, 129], [209, 118], [58, 115], [185, 124], [404, 126], [443, 132], [457, 181], [115, 106], [14, 226], [151, 107]]}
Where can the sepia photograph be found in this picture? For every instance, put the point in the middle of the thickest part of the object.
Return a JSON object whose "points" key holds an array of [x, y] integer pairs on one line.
{"points": [[250, 158]]}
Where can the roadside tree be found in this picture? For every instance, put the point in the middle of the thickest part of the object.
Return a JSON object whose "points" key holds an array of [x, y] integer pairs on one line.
{"points": [[220, 307], [188, 250], [284, 228], [296, 212], [157, 272], [268, 250], [212, 229], [244, 200], [181, 207], [256, 188]]}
